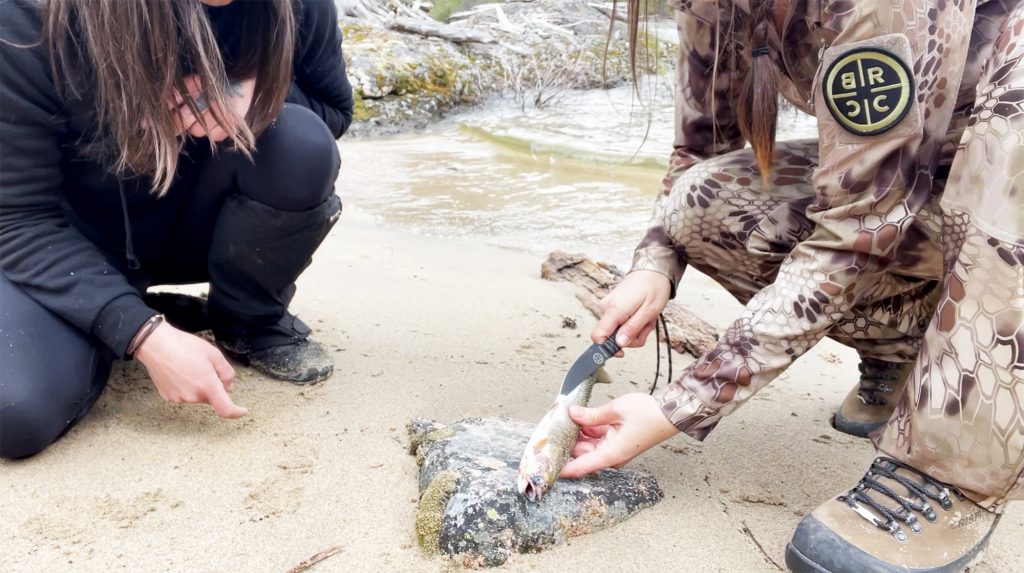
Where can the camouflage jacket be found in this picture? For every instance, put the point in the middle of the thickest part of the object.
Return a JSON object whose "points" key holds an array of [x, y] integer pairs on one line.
{"points": [[874, 196]]}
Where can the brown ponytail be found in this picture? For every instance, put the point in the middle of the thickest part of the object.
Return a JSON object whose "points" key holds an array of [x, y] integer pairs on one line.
{"points": [[757, 106]]}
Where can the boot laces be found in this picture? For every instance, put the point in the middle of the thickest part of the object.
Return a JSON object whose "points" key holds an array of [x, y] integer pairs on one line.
{"points": [[889, 519], [876, 378]]}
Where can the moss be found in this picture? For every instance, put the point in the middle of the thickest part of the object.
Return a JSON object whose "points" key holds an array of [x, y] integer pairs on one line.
{"points": [[430, 437], [356, 33], [430, 514], [360, 111]]}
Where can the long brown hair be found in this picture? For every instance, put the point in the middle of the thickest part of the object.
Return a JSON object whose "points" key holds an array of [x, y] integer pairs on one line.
{"points": [[135, 54], [756, 103]]}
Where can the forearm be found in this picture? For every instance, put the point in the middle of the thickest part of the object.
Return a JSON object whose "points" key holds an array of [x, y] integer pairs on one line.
{"points": [[777, 326], [71, 278]]}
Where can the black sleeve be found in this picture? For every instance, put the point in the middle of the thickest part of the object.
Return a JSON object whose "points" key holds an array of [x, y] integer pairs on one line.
{"points": [[39, 250], [320, 82]]}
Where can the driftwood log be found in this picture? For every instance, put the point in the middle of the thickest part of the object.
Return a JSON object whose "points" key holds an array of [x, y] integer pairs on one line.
{"points": [[689, 333], [427, 27]]}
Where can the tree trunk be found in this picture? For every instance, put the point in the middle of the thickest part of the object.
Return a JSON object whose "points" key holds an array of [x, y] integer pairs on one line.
{"points": [[689, 333]]}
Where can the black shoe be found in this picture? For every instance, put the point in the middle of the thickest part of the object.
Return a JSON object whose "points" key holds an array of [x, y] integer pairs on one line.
{"points": [[283, 351]]}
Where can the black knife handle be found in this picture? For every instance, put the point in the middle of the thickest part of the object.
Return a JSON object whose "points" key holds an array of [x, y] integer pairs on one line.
{"points": [[610, 346]]}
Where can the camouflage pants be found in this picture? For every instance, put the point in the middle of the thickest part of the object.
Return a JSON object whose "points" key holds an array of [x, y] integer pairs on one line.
{"points": [[961, 418]]}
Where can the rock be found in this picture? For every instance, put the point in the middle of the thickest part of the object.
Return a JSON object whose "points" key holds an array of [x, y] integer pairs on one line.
{"points": [[469, 508], [527, 50]]}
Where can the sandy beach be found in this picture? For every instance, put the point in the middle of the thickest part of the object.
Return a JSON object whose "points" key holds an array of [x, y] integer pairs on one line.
{"points": [[419, 326]]}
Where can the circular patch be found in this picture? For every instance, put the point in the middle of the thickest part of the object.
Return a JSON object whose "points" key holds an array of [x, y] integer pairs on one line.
{"points": [[868, 90]]}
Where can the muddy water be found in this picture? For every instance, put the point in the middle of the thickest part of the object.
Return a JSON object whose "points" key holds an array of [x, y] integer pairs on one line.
{"points": [[579, 175]]}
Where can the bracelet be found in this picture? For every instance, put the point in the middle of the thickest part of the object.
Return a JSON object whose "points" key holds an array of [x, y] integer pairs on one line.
{"points": [[143, 333]]}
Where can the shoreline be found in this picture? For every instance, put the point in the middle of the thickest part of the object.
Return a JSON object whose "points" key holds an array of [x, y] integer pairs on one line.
{"points": [[419, 326]]}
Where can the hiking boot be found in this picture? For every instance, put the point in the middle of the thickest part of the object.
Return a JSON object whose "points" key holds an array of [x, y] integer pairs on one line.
{"points": [[283, 352], [869, 405], [895, 519]]}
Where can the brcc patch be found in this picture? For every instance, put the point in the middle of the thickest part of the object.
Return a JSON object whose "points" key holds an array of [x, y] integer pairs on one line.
{"points": [[868, 90]]}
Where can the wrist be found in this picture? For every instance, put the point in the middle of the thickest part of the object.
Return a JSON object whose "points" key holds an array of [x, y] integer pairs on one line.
{"points": [[143, 334], [660, 259]]}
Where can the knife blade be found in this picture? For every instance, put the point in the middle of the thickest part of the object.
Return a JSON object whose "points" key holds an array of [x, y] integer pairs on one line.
{"points": [[588, 363]]}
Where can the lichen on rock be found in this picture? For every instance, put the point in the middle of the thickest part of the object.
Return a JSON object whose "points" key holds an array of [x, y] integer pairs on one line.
{"points": [[471, 511], [430, 512]]}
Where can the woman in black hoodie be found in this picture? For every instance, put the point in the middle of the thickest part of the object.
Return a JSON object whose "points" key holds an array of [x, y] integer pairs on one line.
{"points": [[146, 143]]}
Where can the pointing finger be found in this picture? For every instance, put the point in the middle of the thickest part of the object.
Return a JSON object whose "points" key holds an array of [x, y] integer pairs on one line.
{"points": [[223, 368], [222, 404]]}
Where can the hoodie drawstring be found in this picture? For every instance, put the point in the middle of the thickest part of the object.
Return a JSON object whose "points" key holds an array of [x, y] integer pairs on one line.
{"points": [[129, 248]]}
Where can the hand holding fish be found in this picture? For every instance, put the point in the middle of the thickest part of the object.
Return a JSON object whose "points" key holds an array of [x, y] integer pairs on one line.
{"points": [[613, 434], [633, 307]]}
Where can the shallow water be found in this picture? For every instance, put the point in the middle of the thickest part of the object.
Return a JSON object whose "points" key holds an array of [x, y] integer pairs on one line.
{"points": [[579, 175]]}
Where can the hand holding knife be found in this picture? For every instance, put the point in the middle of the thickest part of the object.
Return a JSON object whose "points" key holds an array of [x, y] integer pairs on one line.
{"points": [[588, 363]]}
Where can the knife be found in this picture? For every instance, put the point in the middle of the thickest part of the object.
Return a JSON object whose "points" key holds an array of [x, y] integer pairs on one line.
{"points": [[589, 362]]}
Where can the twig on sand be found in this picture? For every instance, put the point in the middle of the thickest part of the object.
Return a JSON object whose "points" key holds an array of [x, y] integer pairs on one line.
{"points": [[315, 559], [750, 534]]}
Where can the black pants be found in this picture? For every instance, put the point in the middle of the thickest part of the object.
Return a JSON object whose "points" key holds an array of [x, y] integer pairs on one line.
{"points": [[51, 373]]}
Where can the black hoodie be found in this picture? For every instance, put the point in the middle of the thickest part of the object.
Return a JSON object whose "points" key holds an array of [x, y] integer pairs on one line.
{"points": [[51, 199]]}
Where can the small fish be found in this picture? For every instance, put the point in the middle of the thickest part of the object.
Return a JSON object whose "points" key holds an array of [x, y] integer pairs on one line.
{"points": [[552, 441]]}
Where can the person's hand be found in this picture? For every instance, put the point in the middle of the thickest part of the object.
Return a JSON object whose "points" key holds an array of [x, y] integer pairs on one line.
{"points": [[615, 433], [188, 369], [240, 97], [634, 304]]}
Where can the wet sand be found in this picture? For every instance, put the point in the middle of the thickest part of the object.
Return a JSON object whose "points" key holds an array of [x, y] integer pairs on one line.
{"points": [[419, 326]]}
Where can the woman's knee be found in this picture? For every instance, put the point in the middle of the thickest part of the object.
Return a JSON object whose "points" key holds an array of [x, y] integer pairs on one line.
{"points": [[27, 424], [295, 164], [708, 198], [723, 200], [50, 374]]}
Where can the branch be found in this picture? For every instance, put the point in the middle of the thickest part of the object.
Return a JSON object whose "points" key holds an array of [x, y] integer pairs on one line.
{"points": [[689, 333], [439, 30]]}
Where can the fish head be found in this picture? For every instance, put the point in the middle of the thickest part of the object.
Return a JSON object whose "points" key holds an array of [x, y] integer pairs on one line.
{"points": [[532, 485]]}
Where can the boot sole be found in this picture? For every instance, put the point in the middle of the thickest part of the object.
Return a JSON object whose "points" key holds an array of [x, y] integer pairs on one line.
{"points": [[797, 563], [846, 558]]}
